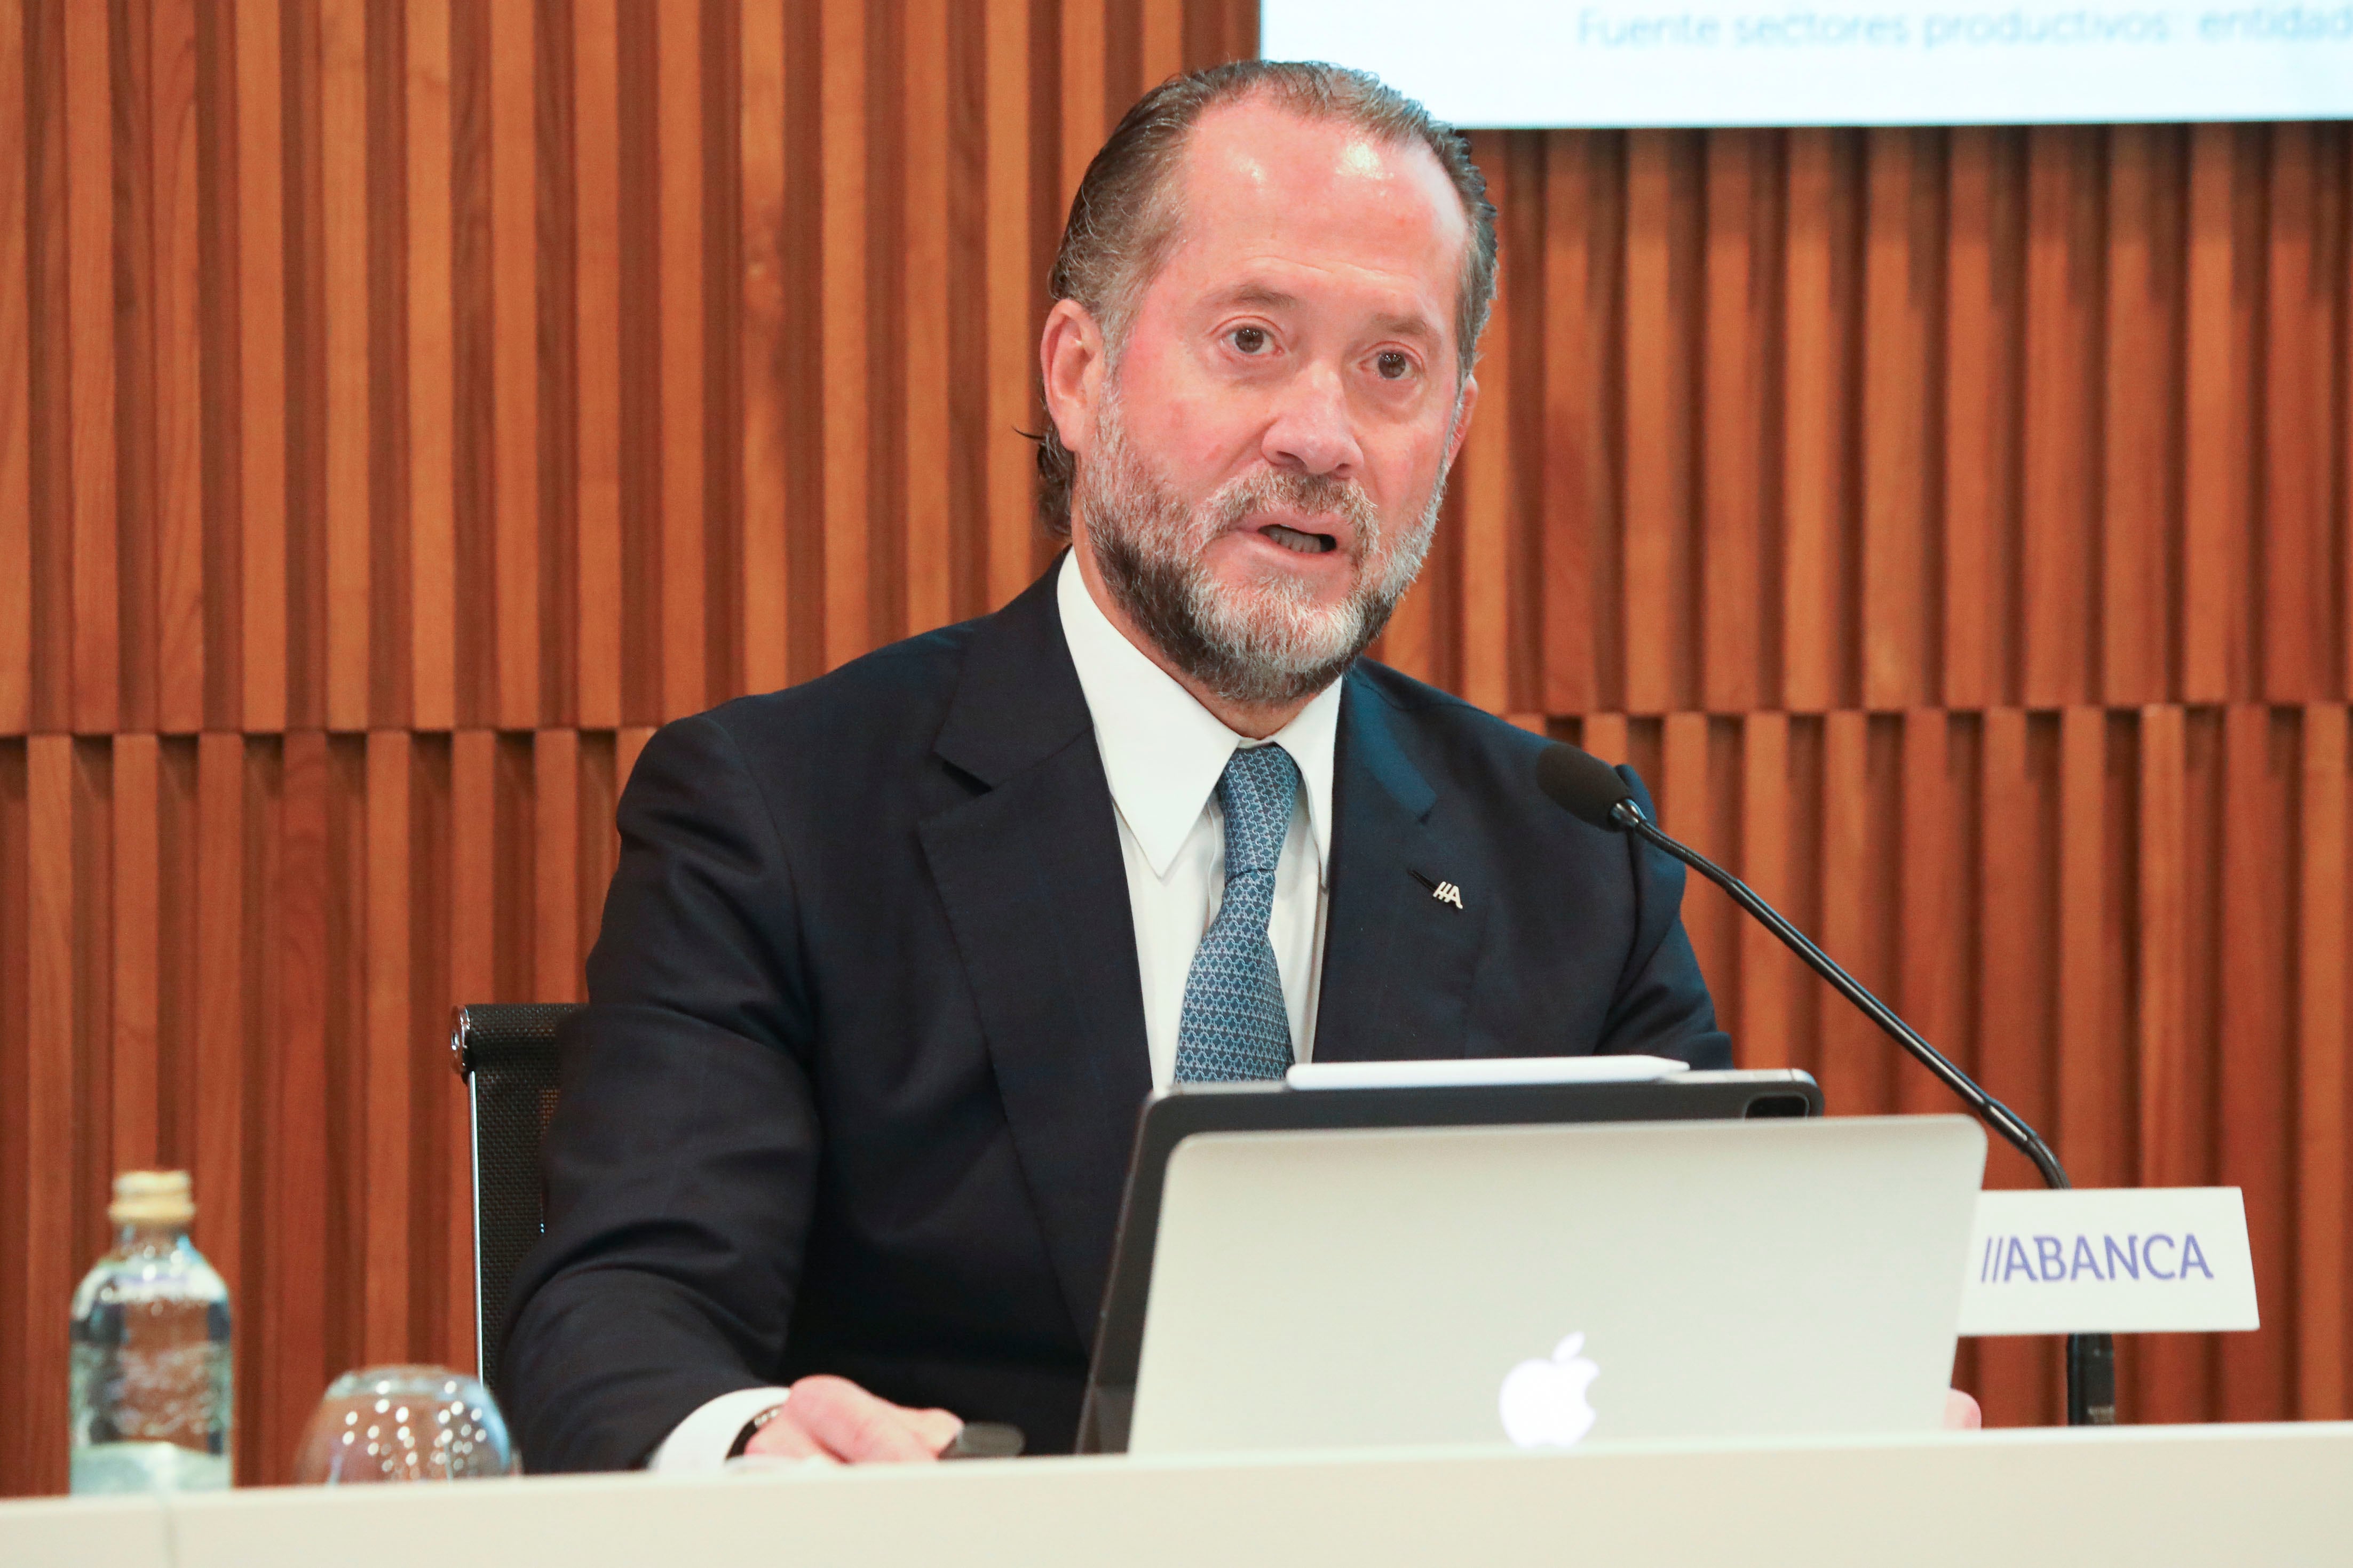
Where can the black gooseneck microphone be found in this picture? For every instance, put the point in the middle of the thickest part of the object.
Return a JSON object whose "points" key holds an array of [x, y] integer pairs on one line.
{"points": [[1592, 790]]}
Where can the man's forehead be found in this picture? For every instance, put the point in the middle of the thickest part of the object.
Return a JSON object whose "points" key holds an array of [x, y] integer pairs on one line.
{"points": [[1261, 179]]}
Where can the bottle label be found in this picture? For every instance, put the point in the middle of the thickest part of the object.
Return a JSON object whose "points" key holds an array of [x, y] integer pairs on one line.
{"points": [[164, 1393]]}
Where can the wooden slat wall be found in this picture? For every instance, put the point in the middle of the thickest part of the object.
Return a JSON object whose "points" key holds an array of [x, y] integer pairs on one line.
{"points": [[404, 405]]}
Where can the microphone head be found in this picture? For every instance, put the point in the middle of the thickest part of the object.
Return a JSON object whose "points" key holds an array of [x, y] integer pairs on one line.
{"points": [[1583, 783]]}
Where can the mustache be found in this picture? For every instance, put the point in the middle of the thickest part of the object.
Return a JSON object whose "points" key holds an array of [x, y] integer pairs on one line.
{"points": [[1314, 495]]}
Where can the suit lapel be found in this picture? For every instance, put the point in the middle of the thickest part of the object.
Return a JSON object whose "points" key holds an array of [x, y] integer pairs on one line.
{"points": [[1401, 932], [1036, 892]]}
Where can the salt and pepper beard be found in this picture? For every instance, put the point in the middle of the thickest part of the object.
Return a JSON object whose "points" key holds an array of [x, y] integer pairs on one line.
{"points": [[1269, 644]]}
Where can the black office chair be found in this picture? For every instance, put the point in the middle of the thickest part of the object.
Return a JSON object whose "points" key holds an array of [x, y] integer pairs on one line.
{"points": [[506, 1053]]}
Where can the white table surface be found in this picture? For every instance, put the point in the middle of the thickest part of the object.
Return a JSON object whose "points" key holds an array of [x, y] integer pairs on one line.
{"points": [[2145, 1495]]}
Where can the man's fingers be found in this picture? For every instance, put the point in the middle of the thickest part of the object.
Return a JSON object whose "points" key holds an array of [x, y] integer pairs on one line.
{"points": [[854, 1424], [1961, 1412], [937, 1427], [783, 1437]]}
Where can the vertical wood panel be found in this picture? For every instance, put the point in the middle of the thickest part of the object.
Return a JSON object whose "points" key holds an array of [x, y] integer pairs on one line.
{"points": [[843, 222], [2168, 1114], [224, 1046], [1980, 394], [1819, 568], [432, 388], [89, 122], [133, 97], [2173, 1112], [2256, 1097], [175, 213], [15, 1067], [2224, 291], [1735, 629], [261, 365], [293, 1222], [1691, 808], [596, 287], [1164, 40], [1484, 476], [2062, 294], [1935, 944], [2177, 782], [765, 584], [555, 928], [2323, 1084], [388, 1136], [473, 898], [2089, 1124], [2303, 362], [1661, 203], [2018, 971], [88, 1162], [1012, 342], [135, 1080], [1903, 287], [1854, 1056], [1083, 66], [15, 390], [1770, 973], [343, 192], [2140, 473], [514, 295], [930, 154], [680, 90], [1580, 526], [2016, 986], [45, 1180]]}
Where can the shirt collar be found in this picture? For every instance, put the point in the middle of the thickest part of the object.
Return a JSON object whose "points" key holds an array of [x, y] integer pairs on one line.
{"points": [[1163, 753]]}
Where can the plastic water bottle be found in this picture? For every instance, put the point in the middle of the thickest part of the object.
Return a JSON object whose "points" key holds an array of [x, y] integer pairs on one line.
{"points": [[151, 1351]]}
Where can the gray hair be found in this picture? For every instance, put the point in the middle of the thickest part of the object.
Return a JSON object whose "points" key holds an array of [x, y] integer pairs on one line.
{"points": [[1122, 223]]}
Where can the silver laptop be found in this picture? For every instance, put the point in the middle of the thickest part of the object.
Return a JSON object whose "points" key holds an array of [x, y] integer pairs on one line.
{"points": [[1548, 1285]]}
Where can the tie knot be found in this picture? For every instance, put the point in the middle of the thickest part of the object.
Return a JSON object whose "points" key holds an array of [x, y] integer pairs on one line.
{"points": [[1256, 794]]}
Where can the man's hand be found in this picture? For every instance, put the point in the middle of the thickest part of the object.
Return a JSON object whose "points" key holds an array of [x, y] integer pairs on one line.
{"points": [[833, 1418], [1961, 1412]]}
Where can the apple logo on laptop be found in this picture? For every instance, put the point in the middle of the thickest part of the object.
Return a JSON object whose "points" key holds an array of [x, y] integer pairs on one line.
{"points": [[1543, 1402]]}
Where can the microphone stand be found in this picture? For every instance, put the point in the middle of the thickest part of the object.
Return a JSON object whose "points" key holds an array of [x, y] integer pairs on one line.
{"points": [[2091, 1358]]}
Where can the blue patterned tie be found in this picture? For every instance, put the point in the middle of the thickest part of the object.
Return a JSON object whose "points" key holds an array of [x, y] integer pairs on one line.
{"points": [[1235, 1026]]}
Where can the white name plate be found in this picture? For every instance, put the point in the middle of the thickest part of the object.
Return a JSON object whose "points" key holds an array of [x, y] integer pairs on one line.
{"points": [[2109, 1261]]}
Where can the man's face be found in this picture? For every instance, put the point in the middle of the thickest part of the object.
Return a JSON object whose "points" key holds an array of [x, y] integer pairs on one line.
{"points": [[1268, 451]]}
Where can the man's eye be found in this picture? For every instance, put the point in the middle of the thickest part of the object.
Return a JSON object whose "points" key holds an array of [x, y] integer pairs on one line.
{"points": [[1394, 365], [1249, 340]]}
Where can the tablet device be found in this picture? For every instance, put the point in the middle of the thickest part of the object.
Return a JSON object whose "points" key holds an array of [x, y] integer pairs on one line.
{"points": [[1375, 1096]]}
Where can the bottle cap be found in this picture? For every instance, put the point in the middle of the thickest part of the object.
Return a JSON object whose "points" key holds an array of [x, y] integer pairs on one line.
{"points": [[151, 1197]]}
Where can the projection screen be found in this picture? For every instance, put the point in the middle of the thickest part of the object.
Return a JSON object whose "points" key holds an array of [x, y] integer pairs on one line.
{"points": [[1895, 62]]}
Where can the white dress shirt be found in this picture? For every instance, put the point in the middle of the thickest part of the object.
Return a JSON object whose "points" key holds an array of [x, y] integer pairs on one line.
{"points": [[1162, 754]]}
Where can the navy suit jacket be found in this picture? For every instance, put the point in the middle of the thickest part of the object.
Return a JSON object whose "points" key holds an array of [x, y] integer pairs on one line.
{"points": [[865, 1048]]}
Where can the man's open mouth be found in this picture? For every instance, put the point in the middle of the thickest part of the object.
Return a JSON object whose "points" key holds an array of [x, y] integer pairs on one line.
{"points": [[1300, 540]]}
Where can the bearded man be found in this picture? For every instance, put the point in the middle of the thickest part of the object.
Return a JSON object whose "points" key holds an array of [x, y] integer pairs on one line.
{"points": [[892, 959]]}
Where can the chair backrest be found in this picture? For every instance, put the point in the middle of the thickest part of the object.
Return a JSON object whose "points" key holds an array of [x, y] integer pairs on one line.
{"points": [[506, 1054]]}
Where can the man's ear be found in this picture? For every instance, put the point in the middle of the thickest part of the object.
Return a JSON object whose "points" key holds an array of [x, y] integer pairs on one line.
{"points": [[1462, 420], [1071, 364]]}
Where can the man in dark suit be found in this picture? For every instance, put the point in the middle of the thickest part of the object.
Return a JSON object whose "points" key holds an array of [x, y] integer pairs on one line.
{"points": [[892, 959]]}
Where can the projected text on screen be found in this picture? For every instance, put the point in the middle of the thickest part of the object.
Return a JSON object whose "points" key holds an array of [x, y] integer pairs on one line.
{"points": [[1890, 62]]}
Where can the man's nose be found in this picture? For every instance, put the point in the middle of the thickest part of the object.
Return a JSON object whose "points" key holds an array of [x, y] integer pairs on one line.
{"points": [[1312, 432]]}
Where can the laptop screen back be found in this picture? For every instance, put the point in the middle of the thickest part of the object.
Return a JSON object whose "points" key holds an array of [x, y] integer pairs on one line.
{"points": [[1555, 1284]]}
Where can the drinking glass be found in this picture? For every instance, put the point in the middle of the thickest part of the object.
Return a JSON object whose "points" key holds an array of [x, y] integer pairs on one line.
{"points": [[404, 1423]]}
